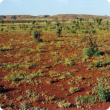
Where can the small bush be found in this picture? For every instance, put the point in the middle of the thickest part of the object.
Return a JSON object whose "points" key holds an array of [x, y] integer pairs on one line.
{"points": [[89, 99], [34, 64], [59, 30], [38, 40], [2, 29], [90, 52], [100, 64], [86, 31], [102, 92], [73, 31], [37, 35]]}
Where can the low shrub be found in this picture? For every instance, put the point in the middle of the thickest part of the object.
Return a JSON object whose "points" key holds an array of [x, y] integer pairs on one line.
{"points": [[59, 30], [2, 29], [37, 35], [102, 92], [100, 64], [73, 31], [90, 52], [89, 99]]}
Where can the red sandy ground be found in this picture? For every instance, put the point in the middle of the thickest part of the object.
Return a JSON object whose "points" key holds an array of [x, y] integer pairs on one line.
{"points": [[48, 89]]}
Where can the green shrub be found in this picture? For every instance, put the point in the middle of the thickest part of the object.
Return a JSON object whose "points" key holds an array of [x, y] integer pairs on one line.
{"points": [[89, 99], [2, 29], [58, 24], [100, 64], [73, 31], [37, 35], [90, 52], [86, 31], [34, 64], [38, 40], [102, 92], [59, 30]]}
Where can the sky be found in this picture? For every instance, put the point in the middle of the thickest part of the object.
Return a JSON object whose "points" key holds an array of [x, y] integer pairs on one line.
{"points": [[54, 7]]}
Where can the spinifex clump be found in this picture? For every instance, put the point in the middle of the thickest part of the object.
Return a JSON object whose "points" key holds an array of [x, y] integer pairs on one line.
{"points": [[37, 35]]}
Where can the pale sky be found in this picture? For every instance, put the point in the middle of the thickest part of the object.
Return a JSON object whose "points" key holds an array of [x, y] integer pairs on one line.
{"points": [[53, 7]]}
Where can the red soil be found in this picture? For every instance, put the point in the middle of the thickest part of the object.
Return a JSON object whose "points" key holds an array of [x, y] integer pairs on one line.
{"points": [[56, 85]]}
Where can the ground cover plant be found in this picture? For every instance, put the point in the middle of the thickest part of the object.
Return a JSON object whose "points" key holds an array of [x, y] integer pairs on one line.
{"points": [[53, 65]]}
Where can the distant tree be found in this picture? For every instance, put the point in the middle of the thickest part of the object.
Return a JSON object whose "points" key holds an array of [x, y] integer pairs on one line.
{"points": [[80, 19], [99, 20], [28, 21], [59, 30], [33, 22], [58, 24]]}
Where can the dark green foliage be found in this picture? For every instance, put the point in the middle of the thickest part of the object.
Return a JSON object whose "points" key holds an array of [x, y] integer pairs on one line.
{"points": [[34, 64], [86, 31], [102, 92], [33, 22], [38, 40], [99, 20], [28, 21], [73, 26], [31, 28], [47, 66], [59, 30], [89, 99], [74, 22], [58, 24], [100, 64], [37, 35], [77, 25], [16, 79], [4, 49], [73, 31], [2, 29], [90, 52]]}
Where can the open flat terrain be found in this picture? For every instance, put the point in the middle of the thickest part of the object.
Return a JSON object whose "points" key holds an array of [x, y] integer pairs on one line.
{"points": [[66, 72]]}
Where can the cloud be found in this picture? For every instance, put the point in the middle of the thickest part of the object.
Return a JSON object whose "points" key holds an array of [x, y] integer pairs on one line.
{"points": [[1, 1], [108, 1]]}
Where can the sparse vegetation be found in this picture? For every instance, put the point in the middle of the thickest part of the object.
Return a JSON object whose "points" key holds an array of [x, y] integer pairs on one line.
{"points": [[72, 61]]}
